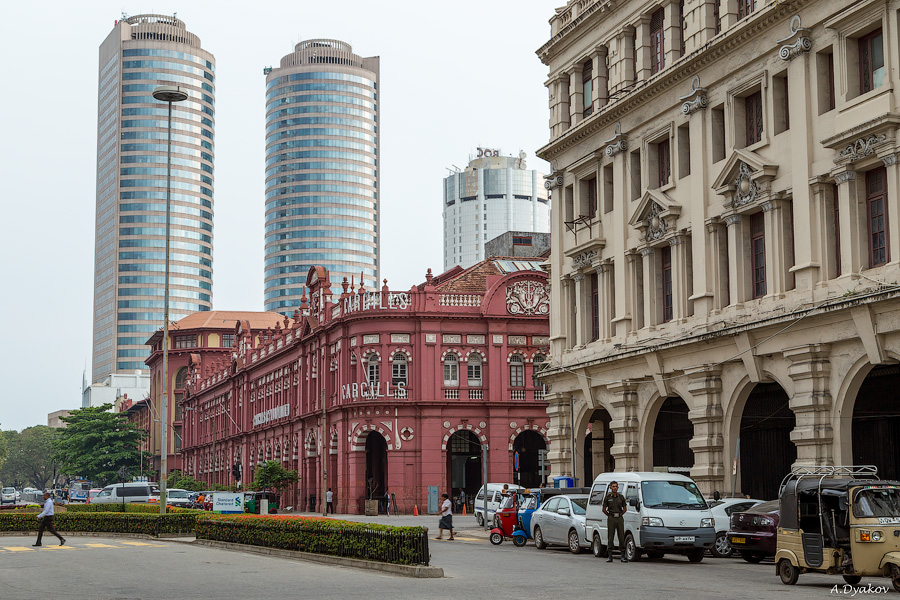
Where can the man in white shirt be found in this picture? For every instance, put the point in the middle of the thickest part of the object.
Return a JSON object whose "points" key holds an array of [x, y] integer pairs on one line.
{"points": [[446, 521], [329, 502], [46, 519]]}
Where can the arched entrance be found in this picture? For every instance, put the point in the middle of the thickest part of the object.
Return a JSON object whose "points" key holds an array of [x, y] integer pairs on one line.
{"points": [[766, 449], [376, 466], [598, 447], [672, 435], [528, 446], [876, 422], [463, 463]]}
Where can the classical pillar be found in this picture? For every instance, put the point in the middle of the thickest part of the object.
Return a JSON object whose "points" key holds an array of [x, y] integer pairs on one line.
{"points": [[813, 435], [728, 13], [776, 215], [650, 288], [708, 443], [672, 32], [625, 425], [576, 110], [642, 48], [738, 278], [559, 103], [822, 242], [582, 310], [892, 208], [625, 65], [560, 434], [635, 300], [607, 299], [700, 23], [705, 290], [601, 77], [853, 214], [715, 266], [680, 246]]}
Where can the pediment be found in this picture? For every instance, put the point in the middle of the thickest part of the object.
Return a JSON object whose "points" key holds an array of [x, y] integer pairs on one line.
{"points": [[754, 165], [655, 215]]}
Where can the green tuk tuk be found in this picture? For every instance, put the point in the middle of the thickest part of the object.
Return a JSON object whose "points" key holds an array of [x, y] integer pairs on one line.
{"points": [[252, 502]]}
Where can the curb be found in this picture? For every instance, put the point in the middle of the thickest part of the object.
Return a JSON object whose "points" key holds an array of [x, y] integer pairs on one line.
{"points": [[68, 534], [419, 571]]}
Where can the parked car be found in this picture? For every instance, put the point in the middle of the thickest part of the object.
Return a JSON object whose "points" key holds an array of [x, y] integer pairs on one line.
{"points": [[722, 511], [18, 495], [177, 497], [560, 521], [124, 492], [753, 533], [8, 495], [92, 493]]}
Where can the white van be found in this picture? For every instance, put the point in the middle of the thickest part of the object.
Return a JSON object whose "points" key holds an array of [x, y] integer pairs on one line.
{"points": [[666, 514], [495, 496], [124, 492]]}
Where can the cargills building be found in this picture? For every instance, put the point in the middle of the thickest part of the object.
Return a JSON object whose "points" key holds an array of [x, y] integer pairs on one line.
{"points": [[322, 153]]}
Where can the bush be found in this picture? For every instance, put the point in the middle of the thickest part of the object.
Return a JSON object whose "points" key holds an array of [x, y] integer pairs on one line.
{"points": [[108, 522], [128, 508], [384, 543]]}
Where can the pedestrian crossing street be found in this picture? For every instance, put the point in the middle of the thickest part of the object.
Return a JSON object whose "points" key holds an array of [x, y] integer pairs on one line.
{"points": [[53, 546]]}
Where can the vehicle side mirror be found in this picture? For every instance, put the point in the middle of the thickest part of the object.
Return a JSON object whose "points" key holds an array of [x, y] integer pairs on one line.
{"points": [[843, 503], [562, 511], [634, 502]]}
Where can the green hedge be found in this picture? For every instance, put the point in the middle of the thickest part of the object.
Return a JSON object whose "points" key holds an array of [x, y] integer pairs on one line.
{"points": [[107, 522], [127, 508], [383, 543]]}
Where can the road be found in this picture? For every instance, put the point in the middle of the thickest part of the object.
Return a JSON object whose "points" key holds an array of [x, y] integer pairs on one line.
{"points": [[99, 567]]}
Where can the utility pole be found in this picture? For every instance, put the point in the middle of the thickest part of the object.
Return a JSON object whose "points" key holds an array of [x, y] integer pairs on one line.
{"points": [[324, 457]]}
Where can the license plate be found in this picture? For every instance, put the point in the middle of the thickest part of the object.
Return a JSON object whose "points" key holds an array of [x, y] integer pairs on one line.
{"points": [[738, 540], [684, 538]]}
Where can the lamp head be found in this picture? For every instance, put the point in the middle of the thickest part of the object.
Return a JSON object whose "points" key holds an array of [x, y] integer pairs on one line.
{"points": [[170, 93]]}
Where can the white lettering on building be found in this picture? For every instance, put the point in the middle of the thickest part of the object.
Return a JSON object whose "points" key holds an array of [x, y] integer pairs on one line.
{"points": [[272, 414], [376, 301], [371, 391]]}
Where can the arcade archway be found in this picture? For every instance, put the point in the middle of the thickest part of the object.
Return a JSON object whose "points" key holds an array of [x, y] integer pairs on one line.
{"points": [[766, 449], [528, 446], [464, 463], [598, 443], [376, 466], [876, 421], [672, 435]]}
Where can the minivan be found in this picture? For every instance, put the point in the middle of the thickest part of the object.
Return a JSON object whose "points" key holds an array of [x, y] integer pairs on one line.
{"points": [[495, 496], [666, 514], [124, 492], [8, 494]]}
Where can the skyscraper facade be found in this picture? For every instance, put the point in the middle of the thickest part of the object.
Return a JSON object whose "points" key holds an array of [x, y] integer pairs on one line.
{"points": [[322, 184], [141, 53], [495, 194]]}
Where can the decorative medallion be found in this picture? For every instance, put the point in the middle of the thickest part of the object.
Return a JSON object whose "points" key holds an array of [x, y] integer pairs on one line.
{"points": [[482, 424], [512, 425], [446, 424], [406, 434], [862, 147], [527, 298], [696, 99], [745, 189], [430, 338], [656, 225], [580, 261], [797, 43]]}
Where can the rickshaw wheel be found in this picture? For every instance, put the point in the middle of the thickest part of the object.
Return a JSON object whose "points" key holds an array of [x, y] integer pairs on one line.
{"points": [[789, 573], [496, 539], [519, 541], [852, 579], [895, 577]]}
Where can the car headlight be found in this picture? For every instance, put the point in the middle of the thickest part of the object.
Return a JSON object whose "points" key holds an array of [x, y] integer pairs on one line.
{"points": [[707, 522], [876, 536], [652, 522]]}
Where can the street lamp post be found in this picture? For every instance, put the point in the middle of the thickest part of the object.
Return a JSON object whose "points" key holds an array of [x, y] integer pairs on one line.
{"points": [[168, 94]]}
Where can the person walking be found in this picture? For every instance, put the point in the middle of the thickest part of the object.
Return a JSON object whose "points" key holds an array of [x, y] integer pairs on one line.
{"points": [[614, 507], [329, 501], [387, 502], [446, 521], [46, 519]]}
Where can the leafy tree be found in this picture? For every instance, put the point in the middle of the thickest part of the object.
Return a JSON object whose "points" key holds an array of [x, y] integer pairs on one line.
{"points": [[179, 480], [4, 449], [272, 476], [29, 457], [96, 443]]}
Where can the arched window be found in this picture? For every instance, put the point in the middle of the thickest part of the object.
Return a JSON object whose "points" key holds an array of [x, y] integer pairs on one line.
{"points": [[451, 370], [537, 365], [180, 377], [473, 370], [372, 368], [516, 371], [399, 368]]}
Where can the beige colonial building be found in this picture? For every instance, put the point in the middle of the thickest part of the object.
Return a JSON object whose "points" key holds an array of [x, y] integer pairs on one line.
{"points": [[726, 231]]}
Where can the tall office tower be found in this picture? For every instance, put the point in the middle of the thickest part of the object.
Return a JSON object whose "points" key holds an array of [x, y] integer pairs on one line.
{"points": [[495, 194], [140, 53], [322, 183]]}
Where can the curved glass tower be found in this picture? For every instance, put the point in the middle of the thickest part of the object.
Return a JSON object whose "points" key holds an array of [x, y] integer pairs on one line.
{"points": [[140, 53], [322, 180]]}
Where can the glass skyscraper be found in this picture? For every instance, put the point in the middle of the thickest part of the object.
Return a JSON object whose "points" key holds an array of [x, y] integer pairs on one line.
{"points": [[322, 182], [141, 53]]}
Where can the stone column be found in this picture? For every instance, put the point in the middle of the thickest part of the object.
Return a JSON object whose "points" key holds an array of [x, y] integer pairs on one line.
{"points": [[892, 208], [560, 434], [853, 214], [700, 24], [778, 245], [810, 369], [822, 242], [576, 109], [738, 279], [716, 266], [625, 426], [672, 32], [607, 299], [680, 246], [582, 310], [635, 301], [705, 290], [642, 48], [650, 316], [708, 443], [626, 63], [728, 12], [601, 77]]}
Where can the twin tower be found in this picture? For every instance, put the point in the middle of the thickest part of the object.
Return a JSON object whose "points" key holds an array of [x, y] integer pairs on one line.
{"points": [[321, 172]]}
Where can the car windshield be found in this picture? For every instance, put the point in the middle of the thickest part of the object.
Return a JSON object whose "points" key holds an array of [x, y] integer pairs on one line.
{"points": [[672, 494], [579, 505], [9, 490], [177, 494], [877, 502]]}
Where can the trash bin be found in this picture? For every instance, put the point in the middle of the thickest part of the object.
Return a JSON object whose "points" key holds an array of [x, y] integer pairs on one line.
{"points": [[563, 482], [372, 508], [312, 503]]}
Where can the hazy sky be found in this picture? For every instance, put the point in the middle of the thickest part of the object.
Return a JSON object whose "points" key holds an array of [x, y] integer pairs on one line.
{"points": [[453, 77]]}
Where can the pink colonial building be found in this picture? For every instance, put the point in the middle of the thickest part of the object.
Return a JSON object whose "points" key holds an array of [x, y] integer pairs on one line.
{"points": [[403, 387]]}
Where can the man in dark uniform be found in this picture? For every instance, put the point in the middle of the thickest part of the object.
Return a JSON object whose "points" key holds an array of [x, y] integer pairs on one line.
{"points": [[614, 507]]}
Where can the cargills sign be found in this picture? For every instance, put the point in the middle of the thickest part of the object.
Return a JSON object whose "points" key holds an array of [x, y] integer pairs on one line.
{"points": [[373, 391], [271, 415], [376, 301]]}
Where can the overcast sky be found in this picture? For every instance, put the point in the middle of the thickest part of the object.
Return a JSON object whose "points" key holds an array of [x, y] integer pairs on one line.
{"points": [[453, 77]]}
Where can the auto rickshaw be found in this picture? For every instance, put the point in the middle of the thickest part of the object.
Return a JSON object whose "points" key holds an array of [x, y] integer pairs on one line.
{"points": [[838, 520], [507, 522], [252, 502]]}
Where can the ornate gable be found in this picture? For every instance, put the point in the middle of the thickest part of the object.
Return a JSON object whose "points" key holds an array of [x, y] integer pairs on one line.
{"points": [[745, 179], [655, 216]]}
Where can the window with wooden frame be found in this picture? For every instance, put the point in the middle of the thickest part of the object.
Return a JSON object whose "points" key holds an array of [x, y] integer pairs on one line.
{"points": [[591, 190], [587, 86], [516, 371], [185, 341], [663, 163], [825, 80], [399, 369], [745, 7], [753, 118], [595, 307], [451, 370], [876, 216], [871, 61], [657, 42], [473, 370], [372, 368], [665, 256], [682, 27], [717, 18], [782, 103], [758, 254]]}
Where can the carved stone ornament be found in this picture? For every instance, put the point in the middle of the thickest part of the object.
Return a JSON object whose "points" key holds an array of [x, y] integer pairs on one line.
{"points": [[862, 147], [527, 298], [745, 189], [797, 43], [890, 159], [696, 99], [656, 225], [845, 176], [617, 143], [584, 259]]}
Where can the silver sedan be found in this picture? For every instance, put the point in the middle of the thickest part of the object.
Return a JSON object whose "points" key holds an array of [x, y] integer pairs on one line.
{"points": [[560, 521]]}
